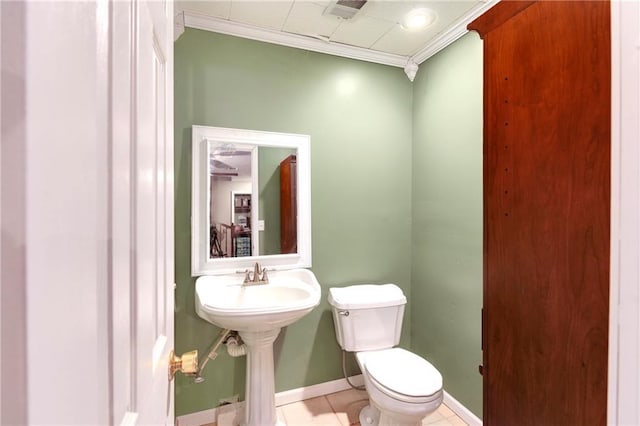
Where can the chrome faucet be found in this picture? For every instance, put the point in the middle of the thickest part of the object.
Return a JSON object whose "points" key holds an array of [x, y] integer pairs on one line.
{"points": [[259, 276]]}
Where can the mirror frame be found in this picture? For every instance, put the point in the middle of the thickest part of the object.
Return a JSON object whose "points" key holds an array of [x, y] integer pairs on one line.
{"points": [[201, 138]]}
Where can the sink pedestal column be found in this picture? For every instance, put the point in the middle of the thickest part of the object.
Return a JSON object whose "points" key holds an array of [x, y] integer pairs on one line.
{"points": [[260, 399]]}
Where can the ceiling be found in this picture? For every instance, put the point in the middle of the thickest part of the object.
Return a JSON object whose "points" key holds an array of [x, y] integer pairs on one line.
{"points": [[237, 163], [374, 34]]}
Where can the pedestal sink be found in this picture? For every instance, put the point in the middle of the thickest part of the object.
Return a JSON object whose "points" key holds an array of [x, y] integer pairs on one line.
{"points": [[257, 313]]}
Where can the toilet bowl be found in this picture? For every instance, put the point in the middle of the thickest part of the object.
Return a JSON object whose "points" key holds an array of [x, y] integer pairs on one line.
{"points": [[403, 387]]}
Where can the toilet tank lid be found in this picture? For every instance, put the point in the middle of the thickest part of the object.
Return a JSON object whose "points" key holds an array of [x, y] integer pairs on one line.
{"points": [[364, 296]]}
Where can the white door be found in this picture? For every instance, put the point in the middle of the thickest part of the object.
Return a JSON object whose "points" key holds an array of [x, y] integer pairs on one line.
{"points": [[86, 213], [142, 90]]}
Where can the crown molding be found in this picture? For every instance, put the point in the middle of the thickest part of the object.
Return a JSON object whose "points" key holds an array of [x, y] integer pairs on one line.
{"points": [[223, 26], [456, 31], [178, 25]]}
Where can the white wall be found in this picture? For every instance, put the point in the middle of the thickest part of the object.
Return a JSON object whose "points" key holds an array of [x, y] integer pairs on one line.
{"points": [[221, 198]]}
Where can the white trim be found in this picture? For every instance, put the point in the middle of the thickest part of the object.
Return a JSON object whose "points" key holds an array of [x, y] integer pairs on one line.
{"points": [[130, 419], [1, 221], [453, 33], [326, 388], [13, 279], [255, 202], [209, 23], [313, 391], [461, 411], [178, 25], [199, 417], [282, 398], [614, 245], [202, 136], [623, 401]]}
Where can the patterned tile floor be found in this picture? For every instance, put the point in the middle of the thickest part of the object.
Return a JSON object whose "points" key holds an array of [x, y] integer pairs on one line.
{"points": [[342, 409]]}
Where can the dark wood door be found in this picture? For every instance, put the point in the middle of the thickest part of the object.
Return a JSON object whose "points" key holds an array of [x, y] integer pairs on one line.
{"points": [[546, 212], [288, 205]]}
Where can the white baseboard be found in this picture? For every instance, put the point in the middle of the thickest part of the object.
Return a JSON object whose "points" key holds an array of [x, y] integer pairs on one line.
{"points": [[300, 394], [198, 418], [229, 414], [461, 411], [231, 411]]}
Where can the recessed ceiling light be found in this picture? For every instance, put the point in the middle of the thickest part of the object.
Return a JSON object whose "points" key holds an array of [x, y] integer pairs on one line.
{"points": [[418, 19]]}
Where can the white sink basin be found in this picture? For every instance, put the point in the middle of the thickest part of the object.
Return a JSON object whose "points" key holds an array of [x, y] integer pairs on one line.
{"points": [[257, 313], [223, 301]]}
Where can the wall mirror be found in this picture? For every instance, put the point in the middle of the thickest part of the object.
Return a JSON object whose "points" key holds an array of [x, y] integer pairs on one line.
{"points": [[251, 200]]}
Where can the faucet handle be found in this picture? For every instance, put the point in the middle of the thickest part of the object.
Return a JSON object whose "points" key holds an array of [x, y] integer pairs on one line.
{"points": [[247, 276], [264, 276]]}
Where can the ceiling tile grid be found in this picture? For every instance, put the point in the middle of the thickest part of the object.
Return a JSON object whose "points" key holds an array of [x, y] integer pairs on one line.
{"points": [[265, 14], [376, 27], [306, 18], [362, 31]]}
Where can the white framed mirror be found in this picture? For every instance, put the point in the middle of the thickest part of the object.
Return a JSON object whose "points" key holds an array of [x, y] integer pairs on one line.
{"points": [[251, 200]]}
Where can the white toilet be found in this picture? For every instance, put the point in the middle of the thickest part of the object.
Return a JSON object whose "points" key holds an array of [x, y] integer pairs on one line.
{"points": [[403, 387]]}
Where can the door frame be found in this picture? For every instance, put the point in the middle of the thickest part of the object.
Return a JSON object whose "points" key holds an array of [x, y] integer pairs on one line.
{"points": [[624, 295]]}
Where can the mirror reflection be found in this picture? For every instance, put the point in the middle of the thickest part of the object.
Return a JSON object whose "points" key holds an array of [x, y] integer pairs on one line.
{"points": [[248, 218], [230, 200], [251, 200]]}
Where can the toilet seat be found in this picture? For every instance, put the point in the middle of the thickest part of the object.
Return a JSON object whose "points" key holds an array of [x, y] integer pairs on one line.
{"points": [[403, 375]]}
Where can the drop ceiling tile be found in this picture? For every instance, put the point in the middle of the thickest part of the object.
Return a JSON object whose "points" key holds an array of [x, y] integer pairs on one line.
{"points": [[218, 9], [395, 10], [306, 18], [269, 14], [362, 31], [323, 3], [392, 11], [450, 11], [403, 42]]}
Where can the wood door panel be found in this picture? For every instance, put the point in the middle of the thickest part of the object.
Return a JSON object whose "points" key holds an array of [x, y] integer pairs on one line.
{"points": [[288, 205], [547, 180]]}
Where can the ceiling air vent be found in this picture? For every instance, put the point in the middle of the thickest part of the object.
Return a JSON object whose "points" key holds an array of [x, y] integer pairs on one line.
{"points": [[345, 9]]}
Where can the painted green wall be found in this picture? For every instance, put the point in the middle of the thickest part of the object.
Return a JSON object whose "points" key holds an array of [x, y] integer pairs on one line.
{"points": [[446, 296], [359, 116]]}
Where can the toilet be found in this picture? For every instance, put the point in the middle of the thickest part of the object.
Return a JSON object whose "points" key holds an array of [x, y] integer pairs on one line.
{"points": [[403, 387]]}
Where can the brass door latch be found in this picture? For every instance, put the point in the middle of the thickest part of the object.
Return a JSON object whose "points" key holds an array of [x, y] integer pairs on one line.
{"points": [[187, 363]]}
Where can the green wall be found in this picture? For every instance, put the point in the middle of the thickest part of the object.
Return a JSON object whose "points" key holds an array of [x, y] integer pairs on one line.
{"points": [[358, 115], [446, 296]]}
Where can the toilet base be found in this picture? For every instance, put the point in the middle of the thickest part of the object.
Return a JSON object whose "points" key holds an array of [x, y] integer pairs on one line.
{"points": [[372, 416], [369, 416], [394, 420]]}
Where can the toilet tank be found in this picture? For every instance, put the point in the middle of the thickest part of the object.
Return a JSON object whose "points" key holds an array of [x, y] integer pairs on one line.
{"points": [[368, 316]]}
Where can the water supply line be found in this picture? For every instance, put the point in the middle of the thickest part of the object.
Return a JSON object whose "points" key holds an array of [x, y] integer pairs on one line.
{"points": [[235, 348], [212, 354], [344, 371]]}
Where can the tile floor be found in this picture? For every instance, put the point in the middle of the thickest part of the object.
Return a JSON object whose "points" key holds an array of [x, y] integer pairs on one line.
{"points": [[342, 409]]}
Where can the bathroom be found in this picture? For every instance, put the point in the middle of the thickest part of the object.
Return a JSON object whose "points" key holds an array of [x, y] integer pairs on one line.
{"points": [[396, 197], [391, 200]]}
